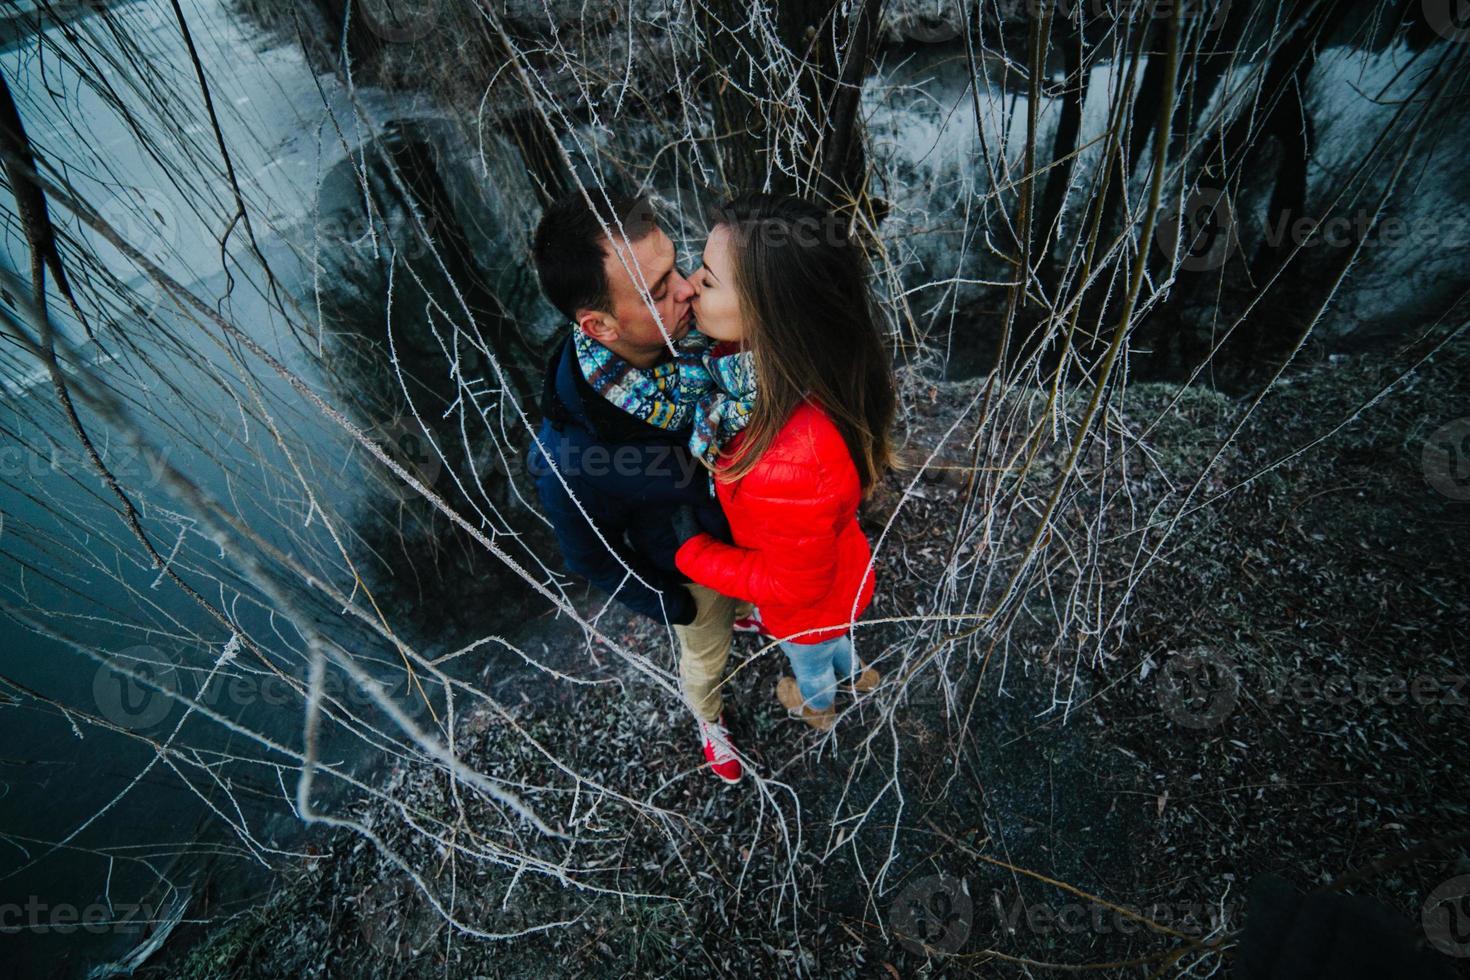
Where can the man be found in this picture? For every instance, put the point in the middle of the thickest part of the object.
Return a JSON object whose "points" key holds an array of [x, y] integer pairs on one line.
{"points": [[614, 436]]}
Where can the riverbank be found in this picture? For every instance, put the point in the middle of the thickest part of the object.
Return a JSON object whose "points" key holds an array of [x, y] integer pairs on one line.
{"points": [[1342, 562]]}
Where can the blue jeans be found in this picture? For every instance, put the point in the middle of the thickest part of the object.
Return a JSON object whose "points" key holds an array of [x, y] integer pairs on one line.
{"points": [[819, 666]]}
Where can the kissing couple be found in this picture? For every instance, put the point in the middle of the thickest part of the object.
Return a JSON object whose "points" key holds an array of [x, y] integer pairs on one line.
{"points": [[764, 372]]}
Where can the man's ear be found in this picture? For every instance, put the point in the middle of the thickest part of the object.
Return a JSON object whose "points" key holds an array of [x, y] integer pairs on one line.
{"points": [[601, 327]]}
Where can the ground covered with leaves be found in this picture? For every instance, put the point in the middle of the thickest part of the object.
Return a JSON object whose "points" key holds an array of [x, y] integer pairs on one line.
{"points": [[1283, 694]]}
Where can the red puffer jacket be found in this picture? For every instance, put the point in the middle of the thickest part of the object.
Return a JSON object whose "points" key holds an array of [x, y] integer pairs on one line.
{"points": [[798, 554]]}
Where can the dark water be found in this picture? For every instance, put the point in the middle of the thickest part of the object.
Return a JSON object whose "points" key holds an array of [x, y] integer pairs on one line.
{"points": [[158, 841], [72, 566]]}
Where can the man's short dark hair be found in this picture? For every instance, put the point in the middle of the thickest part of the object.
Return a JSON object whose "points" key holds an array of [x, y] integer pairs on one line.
{"points": [[568, 246]]}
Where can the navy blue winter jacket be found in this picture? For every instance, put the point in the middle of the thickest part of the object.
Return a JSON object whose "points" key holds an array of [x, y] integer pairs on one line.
{"points": [[630, 477]]}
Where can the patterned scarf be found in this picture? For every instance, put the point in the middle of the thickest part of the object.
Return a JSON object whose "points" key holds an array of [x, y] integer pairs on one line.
{"points": [[725, 408], [713, 394], [661, 395]]}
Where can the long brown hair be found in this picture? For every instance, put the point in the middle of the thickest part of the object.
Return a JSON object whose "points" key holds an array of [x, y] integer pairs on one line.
{"points": [[812, 328]]}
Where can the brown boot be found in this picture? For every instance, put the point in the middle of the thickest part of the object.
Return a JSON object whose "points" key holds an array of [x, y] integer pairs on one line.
{"points": [[864, 682], [790, 697]]}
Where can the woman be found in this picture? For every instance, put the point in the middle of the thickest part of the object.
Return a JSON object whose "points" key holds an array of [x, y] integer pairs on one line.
{"points": [[796, 431]]}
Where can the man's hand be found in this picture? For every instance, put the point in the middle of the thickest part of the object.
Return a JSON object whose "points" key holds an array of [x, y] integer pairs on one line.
{"points": [[686, 525]]}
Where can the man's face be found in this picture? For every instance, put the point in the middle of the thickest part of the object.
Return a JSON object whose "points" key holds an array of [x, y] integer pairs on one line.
{"points": [[632, 331]]}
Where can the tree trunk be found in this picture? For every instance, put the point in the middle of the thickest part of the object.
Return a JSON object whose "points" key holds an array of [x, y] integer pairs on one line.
{"points": [[1064, 143], [420, 173], [761, 144], [844, 164], [1142, 123], [1162, 333], [362, 43], [1285, 122], [537, 144]]}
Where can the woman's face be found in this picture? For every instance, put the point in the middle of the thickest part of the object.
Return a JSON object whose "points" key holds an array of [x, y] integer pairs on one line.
{"points": [[716, 307]]}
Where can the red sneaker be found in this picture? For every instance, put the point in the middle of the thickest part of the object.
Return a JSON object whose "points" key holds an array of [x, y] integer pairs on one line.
{"points": [[718, 751], [752, 624]]}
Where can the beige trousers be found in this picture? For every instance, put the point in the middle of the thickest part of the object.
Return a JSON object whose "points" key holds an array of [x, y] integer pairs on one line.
{"points": [[704, 646]]}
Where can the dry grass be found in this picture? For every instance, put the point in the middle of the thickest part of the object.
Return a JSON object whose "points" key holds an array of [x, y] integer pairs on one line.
{"points": [[1341, 562]]}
